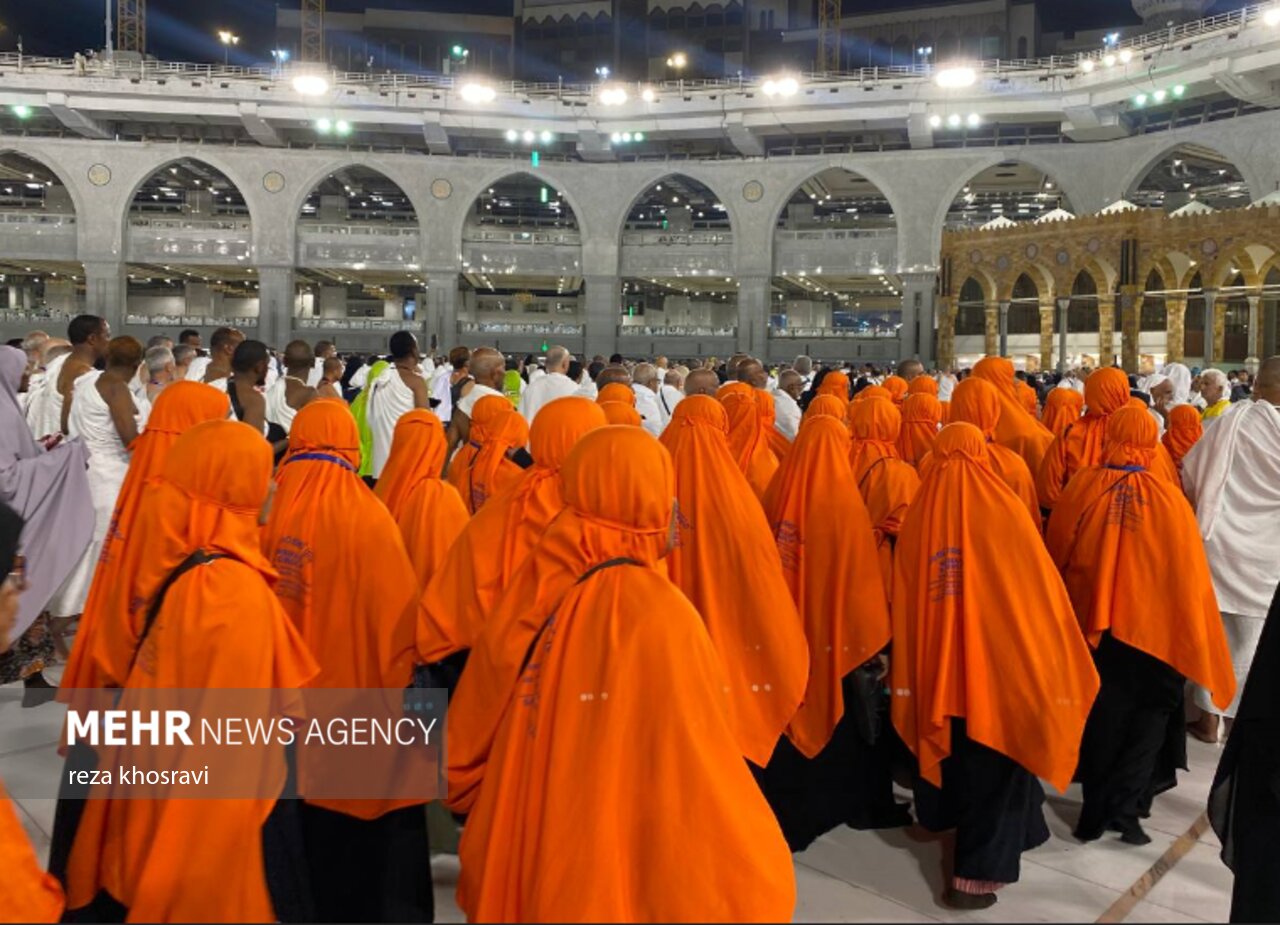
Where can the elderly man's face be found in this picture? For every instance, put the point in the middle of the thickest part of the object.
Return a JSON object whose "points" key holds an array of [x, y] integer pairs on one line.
{"points": [[1162, 394], [1213, 391]]}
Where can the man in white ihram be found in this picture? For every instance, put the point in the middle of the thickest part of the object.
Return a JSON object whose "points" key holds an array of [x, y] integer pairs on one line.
{"points": [[547, 388], [644, 382], [1232, 477]]}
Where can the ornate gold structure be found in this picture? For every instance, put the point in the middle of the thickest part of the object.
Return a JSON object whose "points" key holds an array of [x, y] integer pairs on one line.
{"points": [[1124, 264]]}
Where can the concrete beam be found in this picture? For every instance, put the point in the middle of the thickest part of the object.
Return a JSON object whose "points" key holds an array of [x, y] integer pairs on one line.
{"points": [[73, 119], [435, 135], [1248, 87], [257, 127], [593, 144], [919, 132], [1085, 123], [741, 137]]}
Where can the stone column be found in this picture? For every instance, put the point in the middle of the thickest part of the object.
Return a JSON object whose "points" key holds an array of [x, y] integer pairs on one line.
{"points": [[1130, 328], [601, 301], [1175, 308], [1211, 351], [753, 315], [991, 317], [1064, 306], [1004, 328], [1106, 328], [1046, 334], [106, 291], [277, 295], [947, 332], [916, 339], [441, 319], [1256, 347]]}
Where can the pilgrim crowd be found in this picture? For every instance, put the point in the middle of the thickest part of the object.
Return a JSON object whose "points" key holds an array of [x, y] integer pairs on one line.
{"points": [[691, 617]]}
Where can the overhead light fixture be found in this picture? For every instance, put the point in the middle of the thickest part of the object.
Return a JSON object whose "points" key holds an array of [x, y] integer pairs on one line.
{"points": [[952, 78], [1125, 56], [648, 95], [953, 120], [1140, 99], [342, 127], [545, 137], [935, 121], [1159, 96], [781, 86], [528, 137], [974, 120], [511, 135], [613, 95], [311, 84], [1178, 91], [324, 126], [477, 93], [1087, 65], [20, 111], [1109, 60]]}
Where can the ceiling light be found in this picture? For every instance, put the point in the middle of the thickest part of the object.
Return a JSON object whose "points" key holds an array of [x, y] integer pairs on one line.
{"points": [[935, 120], [1159, 96], [1272, 16], [545, 137], [311, 84], [1178, 91], [528, 137], [954, 77], [953, 120], [477, 93], [613, 95], [342, 127], [781, 86], [511, 135], [324, 126], [974, 120], [1087, 65], [1109, 60], [1125, 56], [616, 138], [20, 111], [1140, 99]]}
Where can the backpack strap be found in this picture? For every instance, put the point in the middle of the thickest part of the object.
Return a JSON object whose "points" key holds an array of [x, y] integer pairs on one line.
{"points": [[199, 557]]}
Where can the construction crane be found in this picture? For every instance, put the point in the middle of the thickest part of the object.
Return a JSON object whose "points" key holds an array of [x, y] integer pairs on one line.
{"points": [[828, 36], [131, 26], [312, 48]]}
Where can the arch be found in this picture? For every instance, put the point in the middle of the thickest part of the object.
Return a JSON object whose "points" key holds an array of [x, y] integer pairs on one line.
{"points": [[213, 163], [1234, 261], [1024, 306], [77, 200], [1082, 311], [1142, 169], [830, 178], [349, 170], [473, 191], [971, 313], [654, 178], [1154, 314], [946, 48], [996, 158]]}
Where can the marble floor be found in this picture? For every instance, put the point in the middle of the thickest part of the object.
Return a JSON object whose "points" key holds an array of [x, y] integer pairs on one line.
{"points": [[892, 876]]}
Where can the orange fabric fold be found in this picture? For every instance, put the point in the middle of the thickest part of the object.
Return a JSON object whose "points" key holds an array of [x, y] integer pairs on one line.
{"points": [[497, 540], [982, 625], [921, 415], [874, 391], [1027, 396], [888, 485], [104, 625], [27, 892], [482, 468], [927, 385], [748, 435], [617, 391], [220, 626], [827, 405], [418, 448], [829, 559], [427, 509], [767, 412], [536, 750], [1106, 391], [315, 539], [876, 426], [835, 383], [1185, 431], [1111, 534], [897, 387], [620, 413], [733, 580], [1062, 408], [978, 403], [1016, 429]]}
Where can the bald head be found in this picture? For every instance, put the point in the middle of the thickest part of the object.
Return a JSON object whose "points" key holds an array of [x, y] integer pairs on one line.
{"points": [[298, 357], [611, 374], [646, 374], [488, 367], [791, 382], [1267, 386], [558, 359], [909, 369], [333, 369], [752, 372], [674, 377], [701, 382]]}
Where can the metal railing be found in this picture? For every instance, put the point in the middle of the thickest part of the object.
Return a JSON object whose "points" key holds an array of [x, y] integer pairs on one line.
{"points": [[356, 324], [358, 229], [674, 330], [191, 224], [511, 327], [835, 234], [832, 333], [676, 238], [193, 321], [1191, 33], [474, 235], [44, 219]]}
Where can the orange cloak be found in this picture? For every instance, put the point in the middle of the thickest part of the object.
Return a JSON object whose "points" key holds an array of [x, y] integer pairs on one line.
{"points": [[733, 579], [27, 892], [482, 468], [1110, 535], [876, 427], [1185, 431], [982, 625], [748, 436], [537, 750], [1016, 429], [1062, 408], [888, 485], [921, 415], [829, 559]]}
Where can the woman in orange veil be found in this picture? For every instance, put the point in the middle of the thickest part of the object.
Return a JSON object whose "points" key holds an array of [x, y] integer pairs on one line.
{"points": [[1062, 408], [218, 626], [888, 485], [1027, 395], [1151, 617], [1016, 429], [1185, 431], [748, 436], [733, 579], [832, 768], [105, 623], [484, 466], [876, 428], [921, 416], [554, 724], [427, 509], [927, 385], [836, 383], [618, 402], [364, 856], [496, 541], [991, 678], [897, 388], [976, 402]]}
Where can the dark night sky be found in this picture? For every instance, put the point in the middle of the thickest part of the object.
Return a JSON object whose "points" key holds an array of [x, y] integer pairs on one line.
{"points": [[184, 30]]}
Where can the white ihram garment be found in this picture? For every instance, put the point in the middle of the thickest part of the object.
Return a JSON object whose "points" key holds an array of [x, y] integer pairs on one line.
{"points": [[389, 398]]}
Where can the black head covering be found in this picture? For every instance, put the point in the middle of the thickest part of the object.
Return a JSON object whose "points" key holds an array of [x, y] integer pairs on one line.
{"points": [[10, 531]]}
